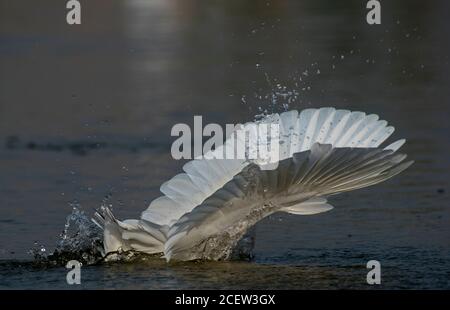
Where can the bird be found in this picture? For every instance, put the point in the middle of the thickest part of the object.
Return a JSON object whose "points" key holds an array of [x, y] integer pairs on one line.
{"points": [[206, 210]]}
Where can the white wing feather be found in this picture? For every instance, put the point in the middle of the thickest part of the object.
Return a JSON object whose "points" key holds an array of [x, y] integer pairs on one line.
{"points": [[298, 131], [297, 186], [202, 178]]}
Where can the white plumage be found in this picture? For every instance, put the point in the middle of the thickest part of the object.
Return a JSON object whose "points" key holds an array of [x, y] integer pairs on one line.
{"points": [[207, 209]]}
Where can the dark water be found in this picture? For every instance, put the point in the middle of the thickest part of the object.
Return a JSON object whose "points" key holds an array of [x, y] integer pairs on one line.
{"points": [[86, 111]]}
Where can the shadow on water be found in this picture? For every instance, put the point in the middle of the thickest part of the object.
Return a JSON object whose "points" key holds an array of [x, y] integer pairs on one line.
{"points": [[82, 148]]}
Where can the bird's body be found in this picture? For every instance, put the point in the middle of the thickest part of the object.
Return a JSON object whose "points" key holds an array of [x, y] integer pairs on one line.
{"points": [[209, 208]]}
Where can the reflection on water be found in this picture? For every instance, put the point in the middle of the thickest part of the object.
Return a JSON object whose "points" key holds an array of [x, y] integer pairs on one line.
{"points": [[339, 269], [112, 88]]}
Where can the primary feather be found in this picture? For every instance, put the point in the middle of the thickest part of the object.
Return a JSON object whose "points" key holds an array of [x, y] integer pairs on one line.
{"points": [[207, 209]]}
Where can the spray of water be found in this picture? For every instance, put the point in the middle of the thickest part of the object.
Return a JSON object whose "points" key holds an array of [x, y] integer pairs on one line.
{"points": [[80, 239]]}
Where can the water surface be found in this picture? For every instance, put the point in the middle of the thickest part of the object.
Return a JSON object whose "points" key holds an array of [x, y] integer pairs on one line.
{"points": [[86, 111]]}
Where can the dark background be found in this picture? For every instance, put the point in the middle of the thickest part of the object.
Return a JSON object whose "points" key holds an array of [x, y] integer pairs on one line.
{"points": [[86, 110]]}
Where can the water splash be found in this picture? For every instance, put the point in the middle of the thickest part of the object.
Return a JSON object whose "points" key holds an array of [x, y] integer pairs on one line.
{"points": [[80, 239], [279, 99]]}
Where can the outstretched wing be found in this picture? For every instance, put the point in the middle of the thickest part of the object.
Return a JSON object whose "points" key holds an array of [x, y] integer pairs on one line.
{"points": [[204, 178], [298, 132], [297, 186]]}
